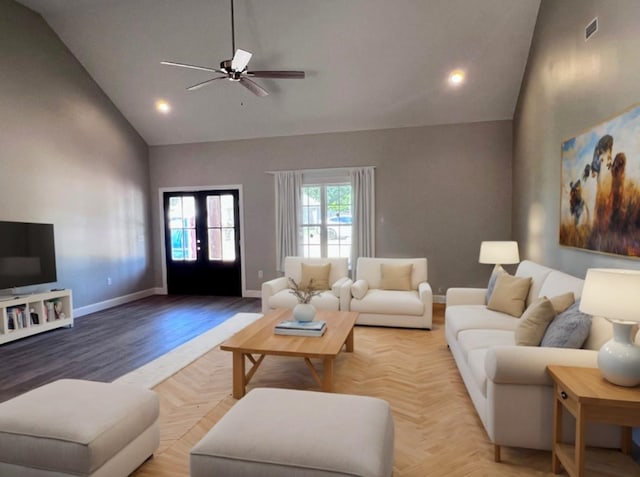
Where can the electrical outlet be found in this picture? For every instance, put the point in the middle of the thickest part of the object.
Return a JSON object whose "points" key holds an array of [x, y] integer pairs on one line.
{"points": [[109, 281], [439, 290], [259, 273]]}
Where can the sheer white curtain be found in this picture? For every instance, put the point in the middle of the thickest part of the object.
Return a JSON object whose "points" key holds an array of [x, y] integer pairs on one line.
{"points": [[364, 222], [288, 187]]}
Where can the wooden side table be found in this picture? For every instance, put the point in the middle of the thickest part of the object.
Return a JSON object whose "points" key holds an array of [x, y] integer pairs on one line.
{"points": [[589, 397]]}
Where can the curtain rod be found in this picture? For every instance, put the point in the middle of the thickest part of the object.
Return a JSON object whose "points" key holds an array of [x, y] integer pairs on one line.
{"points": [[326, 169]]}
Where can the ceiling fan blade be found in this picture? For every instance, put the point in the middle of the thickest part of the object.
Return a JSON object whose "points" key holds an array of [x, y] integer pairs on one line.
{"points": [[205, 83], [193, 67], [240, 60], [276, 74], [254, 87]]}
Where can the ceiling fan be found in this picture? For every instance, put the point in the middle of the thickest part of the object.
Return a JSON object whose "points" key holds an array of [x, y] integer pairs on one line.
{"points": [[235, 69]]}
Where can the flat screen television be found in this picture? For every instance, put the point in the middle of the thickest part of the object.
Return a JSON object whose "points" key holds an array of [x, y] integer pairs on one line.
{"points": [[27, 254]]}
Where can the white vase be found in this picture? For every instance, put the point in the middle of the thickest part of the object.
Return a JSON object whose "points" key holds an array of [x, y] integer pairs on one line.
{"points": [[304, 312], [619, 359]]}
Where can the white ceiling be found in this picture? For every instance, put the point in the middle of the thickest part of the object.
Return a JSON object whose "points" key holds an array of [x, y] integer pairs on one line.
{"points": [[370, 64]]}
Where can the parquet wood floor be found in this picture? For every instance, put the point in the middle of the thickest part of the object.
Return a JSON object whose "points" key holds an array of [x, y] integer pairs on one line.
{"points": [[437, 430]]}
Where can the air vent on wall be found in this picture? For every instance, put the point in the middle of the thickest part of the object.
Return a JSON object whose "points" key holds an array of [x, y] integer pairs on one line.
{"points": [[591, 29]]}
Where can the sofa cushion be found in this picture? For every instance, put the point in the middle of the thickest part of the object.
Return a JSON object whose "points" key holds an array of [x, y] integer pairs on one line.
{"points": [[510, 294], [339, 267], [73, 426], [569, 329], [391, 302], [368, 268], [395, 276], [285, 299], [482, 339], [286, 433], [600, 332], [474, 317], [558, 282], [562, 302], [359, 289], [315, 275], [475, 361], [534, 322], [538, 274]]}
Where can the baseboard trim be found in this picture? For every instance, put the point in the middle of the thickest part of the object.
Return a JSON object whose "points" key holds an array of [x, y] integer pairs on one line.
{"points": [[439, 299], [252, 294], [121, 300]]}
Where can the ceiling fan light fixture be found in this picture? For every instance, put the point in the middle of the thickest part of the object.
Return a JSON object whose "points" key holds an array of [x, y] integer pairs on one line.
{"points": [[162, 106], [456, 77], [234, 69]]}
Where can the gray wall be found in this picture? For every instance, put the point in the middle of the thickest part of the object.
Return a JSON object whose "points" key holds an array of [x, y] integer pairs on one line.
{"points": [[439, 190], [68, 157], [569, 85]]}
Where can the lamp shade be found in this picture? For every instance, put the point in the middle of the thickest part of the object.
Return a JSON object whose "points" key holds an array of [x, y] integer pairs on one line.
{"points": [[612, 293], [499, 252], [615, 295]]}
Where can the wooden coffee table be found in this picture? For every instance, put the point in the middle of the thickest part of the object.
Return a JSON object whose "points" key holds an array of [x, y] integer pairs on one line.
{"points": [[259, 339]]}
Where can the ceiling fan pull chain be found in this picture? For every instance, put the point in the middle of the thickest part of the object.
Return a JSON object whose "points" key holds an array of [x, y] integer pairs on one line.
{"points": [[233, 33]]}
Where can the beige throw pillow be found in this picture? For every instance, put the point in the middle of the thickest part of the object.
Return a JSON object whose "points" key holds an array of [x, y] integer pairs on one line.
{"points": [[396, 277], [510, 294], [562, 302], [318, 273], [534, 322]]}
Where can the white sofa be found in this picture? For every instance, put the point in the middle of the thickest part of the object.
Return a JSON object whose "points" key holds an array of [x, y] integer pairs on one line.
{"points": [[399, 308], [508, 384], [276, 292]]}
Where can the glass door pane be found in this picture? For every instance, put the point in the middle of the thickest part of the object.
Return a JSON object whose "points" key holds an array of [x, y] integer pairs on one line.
{"points": [[221, 227], [182, 225]]}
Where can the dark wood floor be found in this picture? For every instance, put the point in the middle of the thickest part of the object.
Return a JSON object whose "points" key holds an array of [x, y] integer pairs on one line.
{"points": [[105, 345]]}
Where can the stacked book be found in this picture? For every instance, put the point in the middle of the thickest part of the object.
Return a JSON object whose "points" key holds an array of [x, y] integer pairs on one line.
{"points": [[301, 328]]}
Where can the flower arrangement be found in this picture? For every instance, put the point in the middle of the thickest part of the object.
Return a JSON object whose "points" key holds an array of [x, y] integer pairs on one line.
{"points": [[304, 295]]}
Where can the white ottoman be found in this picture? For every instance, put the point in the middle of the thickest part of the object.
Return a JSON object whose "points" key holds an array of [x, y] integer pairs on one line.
{"points": [[281, 433], [78, 428]]}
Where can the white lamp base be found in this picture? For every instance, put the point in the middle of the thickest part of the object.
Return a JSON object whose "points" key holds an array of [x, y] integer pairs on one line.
{"points": [[619, 358]]}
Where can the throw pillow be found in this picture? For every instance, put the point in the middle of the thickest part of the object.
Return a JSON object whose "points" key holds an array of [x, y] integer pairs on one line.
{"points": [[534, 322], [562, 302], [510, 294], [359, 289], [497, 271], [317, 275], [395, 277], [569, 329]]}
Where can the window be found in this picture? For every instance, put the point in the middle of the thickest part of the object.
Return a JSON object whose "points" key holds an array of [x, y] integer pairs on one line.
{"points": [[316, 210], [325, 223]]}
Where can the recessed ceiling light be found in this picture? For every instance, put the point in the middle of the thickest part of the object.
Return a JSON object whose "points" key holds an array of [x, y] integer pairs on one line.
{"points": [[456, 77], [162, 106]]}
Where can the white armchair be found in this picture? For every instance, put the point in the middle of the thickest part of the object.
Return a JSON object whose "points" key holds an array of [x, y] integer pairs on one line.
{"points": [[384, 297], [276, 294]]}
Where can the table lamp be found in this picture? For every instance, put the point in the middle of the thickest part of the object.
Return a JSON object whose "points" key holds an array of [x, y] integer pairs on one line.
{"points": [[615, 295], [499, 253]]}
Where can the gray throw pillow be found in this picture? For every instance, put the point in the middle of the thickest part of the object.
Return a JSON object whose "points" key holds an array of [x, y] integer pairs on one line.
{"points": [[570, 329], [492, 281]]}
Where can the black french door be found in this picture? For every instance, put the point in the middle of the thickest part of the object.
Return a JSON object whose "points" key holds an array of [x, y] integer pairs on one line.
{"points": [[202, 242]]}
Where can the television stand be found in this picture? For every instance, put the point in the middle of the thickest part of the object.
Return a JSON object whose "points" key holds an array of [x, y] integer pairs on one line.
{"points": [[26, 315]]}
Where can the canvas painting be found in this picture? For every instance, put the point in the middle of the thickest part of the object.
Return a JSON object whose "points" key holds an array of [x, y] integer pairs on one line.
{"points": [[600, 194]]}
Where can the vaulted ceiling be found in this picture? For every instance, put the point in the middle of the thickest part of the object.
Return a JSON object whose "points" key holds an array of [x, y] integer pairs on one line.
{"points": [[369, 64]]}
